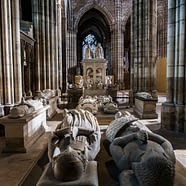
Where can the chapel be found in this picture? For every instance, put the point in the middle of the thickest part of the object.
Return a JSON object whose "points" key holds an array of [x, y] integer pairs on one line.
{"points": [[55, 52]]}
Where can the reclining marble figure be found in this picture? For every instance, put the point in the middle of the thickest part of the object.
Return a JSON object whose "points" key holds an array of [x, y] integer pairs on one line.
{"points": [[141, 156], [88, 103], [72, 149], [24, 108]]}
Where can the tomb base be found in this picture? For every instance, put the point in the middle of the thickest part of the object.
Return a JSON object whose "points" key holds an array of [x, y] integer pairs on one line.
{"points": [[145, 108], [21, 133], [89, 177]]}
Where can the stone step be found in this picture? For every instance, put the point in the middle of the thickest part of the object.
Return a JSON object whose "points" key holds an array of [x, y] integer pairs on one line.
{"points": [[181, 161]]}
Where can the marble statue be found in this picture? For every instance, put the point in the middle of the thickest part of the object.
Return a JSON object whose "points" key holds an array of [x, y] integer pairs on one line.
{"points": [[110, 108], [88, 53], [74, 143], [24, 108], [99, 53], [48, 93], [88, 103], [107, 105], [144, 95], [142, 157]]}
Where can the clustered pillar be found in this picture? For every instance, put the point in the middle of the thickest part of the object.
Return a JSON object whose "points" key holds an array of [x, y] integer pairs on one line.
{"points": [[10, 50], [143, 45], [117, 46], [48, 46], [71, 52], [174, 109]]}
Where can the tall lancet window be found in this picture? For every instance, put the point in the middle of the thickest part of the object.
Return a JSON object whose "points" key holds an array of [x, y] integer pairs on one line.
{"points": [[91, 41]]}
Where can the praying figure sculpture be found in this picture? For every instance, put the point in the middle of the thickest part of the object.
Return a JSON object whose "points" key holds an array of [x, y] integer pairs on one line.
{"points": [[88, 53], [142, 157], [99, 53], [74, 143]]}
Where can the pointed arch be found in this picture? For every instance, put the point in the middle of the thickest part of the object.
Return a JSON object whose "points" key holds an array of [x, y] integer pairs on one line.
{"points": [[109, 18]]}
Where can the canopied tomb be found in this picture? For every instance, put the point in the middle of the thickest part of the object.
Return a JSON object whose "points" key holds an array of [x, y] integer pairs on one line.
{"points": [[94, 75], [94, 72]]}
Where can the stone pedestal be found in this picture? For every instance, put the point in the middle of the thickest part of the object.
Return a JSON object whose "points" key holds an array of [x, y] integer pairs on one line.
{"points": [[145, 108], [53, 106], [89, 177], [2, 110], [21, 133], [73, 97], [93, 92]]}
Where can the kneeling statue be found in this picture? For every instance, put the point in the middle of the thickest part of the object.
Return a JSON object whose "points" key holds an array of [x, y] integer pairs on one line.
{"points": [[141, 157]]}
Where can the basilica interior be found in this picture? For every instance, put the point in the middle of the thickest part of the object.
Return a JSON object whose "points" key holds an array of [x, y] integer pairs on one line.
{"points": [[58, 55]]}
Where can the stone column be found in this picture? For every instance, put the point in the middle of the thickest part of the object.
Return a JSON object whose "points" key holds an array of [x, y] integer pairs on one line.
{"points": [[43, 48], [71, 55], [173, 113], [7, 53], [118, 46], [168, 108], [170, 50], [143, 50], [1, 68], [16, 51], [47, 45], [56, 32], [64, 58], [179, 64], [134, 47], [59, 31], [52, 45], [37, 61]]}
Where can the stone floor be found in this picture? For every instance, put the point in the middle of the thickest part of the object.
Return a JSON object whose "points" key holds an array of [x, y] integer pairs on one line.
{"points": [[24, 169]]}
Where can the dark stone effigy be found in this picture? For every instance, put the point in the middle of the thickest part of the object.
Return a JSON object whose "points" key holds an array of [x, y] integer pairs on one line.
{"points": [[141, 157]]}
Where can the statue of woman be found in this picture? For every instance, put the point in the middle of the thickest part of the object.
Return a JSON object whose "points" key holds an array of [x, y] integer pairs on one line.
{"points": [[88, 53], [141, 156], [99, 53]]}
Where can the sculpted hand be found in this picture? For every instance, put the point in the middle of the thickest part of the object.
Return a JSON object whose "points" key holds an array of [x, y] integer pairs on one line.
{"points": [[92, 138], [142, 135]]}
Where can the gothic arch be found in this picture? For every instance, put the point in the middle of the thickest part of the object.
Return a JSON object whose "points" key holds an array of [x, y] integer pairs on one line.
{"points": [[93, 21], [100, 8]]}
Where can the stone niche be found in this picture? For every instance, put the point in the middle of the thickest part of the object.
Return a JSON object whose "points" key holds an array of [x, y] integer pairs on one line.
{"points": [[21, 133], [145, 106]]}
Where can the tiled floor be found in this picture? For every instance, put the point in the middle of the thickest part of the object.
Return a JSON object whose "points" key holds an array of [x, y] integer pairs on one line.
{"points": [[16, 168]]}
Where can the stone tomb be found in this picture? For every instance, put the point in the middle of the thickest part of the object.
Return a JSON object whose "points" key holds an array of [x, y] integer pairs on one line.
{"points": [[94, 76], [21, 133], [145, 107]]}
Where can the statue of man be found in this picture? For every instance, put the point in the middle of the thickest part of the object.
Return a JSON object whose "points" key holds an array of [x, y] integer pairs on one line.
{"points": [[99, 53], [141, 156], [74, 142]]}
